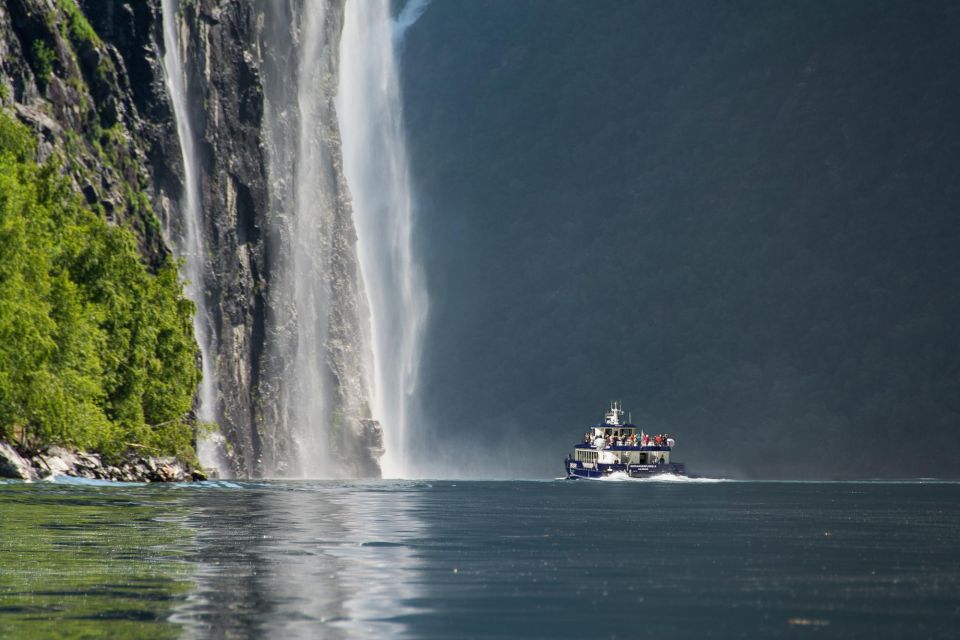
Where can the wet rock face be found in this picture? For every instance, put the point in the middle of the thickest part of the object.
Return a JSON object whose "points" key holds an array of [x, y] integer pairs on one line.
{"points": [[224, 90], [370, 441], [134, 31], [243, 81]]}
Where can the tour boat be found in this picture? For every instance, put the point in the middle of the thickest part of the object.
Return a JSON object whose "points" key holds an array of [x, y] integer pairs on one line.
{"points": [[616, 447]]}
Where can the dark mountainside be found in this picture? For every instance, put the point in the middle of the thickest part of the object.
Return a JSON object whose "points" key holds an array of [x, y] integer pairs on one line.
{"points": [[739, 218]]}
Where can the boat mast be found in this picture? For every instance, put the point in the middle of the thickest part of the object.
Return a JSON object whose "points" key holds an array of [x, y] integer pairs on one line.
{"points": [[615, 415]]}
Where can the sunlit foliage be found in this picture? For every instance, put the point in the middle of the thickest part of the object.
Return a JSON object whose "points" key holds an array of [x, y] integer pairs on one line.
{"points": [[95, 350]]}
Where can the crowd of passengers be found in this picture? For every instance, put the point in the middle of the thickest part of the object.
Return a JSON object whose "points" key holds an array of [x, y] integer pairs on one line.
{"points": [[644, 440]]}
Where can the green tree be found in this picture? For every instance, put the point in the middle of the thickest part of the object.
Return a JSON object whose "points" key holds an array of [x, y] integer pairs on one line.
{"points": [[95, 350]]}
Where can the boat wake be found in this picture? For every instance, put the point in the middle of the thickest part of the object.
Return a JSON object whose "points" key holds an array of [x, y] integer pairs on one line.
{"points": [[621, 476]]}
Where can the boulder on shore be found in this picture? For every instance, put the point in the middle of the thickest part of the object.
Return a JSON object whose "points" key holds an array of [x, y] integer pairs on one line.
{"points": [[13, 465], [60, 461]]}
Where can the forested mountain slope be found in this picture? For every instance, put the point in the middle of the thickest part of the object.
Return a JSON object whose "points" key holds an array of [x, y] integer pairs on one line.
{"points": [[96, 341]]}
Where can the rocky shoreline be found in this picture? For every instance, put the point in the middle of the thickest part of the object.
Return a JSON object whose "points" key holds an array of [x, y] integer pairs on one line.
{"points": [[60, 461]]}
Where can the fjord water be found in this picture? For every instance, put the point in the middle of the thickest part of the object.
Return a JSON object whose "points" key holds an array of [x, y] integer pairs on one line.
{"points": [[480, 560]]}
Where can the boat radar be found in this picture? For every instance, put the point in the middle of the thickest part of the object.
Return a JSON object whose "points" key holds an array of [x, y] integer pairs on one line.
{"points": [[615, 446]]}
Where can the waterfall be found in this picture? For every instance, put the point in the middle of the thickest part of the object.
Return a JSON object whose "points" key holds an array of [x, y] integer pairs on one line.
{"points": [[343, 300], [186, 236], [311, 252], [376, 168], [315, 384]]}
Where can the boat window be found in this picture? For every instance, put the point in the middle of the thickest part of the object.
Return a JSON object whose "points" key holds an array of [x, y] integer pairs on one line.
{"points": [[586, 456]]}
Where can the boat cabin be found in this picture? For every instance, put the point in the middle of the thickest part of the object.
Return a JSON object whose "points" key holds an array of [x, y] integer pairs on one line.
{"points": [[639, 454], [616, 442]]}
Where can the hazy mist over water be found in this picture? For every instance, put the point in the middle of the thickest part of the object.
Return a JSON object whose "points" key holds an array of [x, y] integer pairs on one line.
{"points": [[740, 220]]}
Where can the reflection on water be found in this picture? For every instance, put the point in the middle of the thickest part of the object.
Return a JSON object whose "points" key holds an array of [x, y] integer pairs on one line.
{"points": [[89, 562], [285, 562], [271, 560]]}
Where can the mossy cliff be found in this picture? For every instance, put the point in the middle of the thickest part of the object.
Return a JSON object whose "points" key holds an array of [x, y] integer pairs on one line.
{"points": [[96, 339]]}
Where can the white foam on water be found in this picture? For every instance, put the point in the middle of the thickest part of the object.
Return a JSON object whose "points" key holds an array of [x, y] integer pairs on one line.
{"points": [[88, 482], [621, 476]]}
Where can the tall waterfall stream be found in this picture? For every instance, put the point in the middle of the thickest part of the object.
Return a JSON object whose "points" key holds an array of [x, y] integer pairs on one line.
{"points": [[345, 298], [187, 238], [375, 164]]}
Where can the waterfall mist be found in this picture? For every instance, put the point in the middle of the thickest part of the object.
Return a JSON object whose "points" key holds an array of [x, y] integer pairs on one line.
{"points": [[315, 387], [376, 168], [295, 386], [186, 234]]}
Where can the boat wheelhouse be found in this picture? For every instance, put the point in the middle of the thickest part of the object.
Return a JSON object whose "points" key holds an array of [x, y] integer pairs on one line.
{"points": [[615, 446]]}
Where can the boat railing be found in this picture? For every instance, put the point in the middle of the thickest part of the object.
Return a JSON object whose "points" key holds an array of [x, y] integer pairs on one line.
{"points": [[625, 447]]}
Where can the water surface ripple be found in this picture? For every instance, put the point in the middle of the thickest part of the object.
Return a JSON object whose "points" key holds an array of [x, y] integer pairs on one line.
{"points": [[480, 560]]}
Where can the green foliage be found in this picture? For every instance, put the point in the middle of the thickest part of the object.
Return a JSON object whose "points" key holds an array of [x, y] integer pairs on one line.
{"points": [[78, 28], [94, 350], [15, 140], [43, 57]]}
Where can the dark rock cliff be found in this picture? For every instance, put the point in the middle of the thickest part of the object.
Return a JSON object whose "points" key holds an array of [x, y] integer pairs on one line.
{"points": [[72, 86], [133, 30], [89, 78], [282, 280], [283, 283], [224, 89]]}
